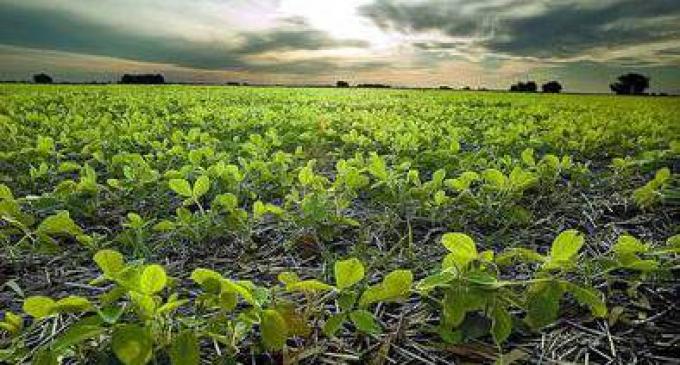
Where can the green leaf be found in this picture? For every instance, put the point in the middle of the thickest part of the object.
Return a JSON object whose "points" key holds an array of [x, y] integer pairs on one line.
{"points": [[462, 248], [60, 223], [13, 323], [521, 179], [132, 345], [181, 187], [274, 329], [348, 272], [589, 297], [306, 175], [230, 286], [110, 262], [45, 356], [145, 304], [565, 248], [135, 220], [434, 281], [296, 322], [153, 279], [629, 244], [228, 301], [201, 276], [347, 299], [495, 178], [309, 286], [501, 324], [39, 306], [396, 285], [171, 305], [333, 324], [643, 265], [72, 304], [459, 300], [185, 350], [5, 192], [543, 303], [164, 226], [111, 314], [288, 277], [377, 167], [78, 333], [528, 157], [364, 321], [662, 176], [509, 256], [226, 201], [201, 186]]}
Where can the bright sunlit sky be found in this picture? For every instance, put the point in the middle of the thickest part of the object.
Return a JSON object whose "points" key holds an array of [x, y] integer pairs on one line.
{"points": [[584, 44]]}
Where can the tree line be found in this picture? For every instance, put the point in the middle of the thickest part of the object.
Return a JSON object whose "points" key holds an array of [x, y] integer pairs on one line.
{"points": [[627, 84]]}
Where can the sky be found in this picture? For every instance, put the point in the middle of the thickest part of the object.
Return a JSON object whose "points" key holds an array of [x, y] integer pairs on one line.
{"points": [[584, 44]]}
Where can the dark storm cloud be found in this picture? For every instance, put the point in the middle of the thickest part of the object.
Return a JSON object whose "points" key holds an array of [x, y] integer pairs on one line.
{"points": [[426, 15], [63, 31], [286, 40], [568, 30], [536, 28]]}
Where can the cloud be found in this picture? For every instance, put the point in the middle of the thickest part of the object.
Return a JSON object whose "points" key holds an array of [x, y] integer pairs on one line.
{"points": [[62, 30], [286, 38], [531, 28]]}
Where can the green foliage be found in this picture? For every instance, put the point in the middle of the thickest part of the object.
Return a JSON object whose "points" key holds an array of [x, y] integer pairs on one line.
{"points": [[653, 192], [395, 286], [306, 169], [274, 329], [348, 272], [132, 345], [462, 251], [564, 250], [185, 349], [364, 321]]}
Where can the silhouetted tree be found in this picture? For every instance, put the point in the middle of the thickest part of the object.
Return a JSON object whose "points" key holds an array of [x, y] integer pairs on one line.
{"points": [[552, 87], [531, 87], [444, 87], [374, 86], [233, 83], [342, 84], [630, 84], [142, 79], [527, 87], [42, 78]]}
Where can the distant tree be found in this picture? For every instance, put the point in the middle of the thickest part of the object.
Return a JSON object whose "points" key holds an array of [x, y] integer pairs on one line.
{"points": [[630, 84], [531, 87], [142, 79], [342, 84], [233, 83], [552, 87], [42, 78], [527, 87], [444, 87], [466, 88], [374, 86]]}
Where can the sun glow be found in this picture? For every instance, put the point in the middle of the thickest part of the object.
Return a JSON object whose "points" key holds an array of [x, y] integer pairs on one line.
{"points": [[339, 19]]}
